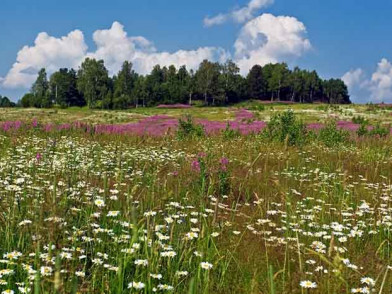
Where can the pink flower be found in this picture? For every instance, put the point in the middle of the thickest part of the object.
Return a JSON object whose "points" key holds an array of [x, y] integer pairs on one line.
{"points": [[38, 156], [196, 165], [224, 162]]}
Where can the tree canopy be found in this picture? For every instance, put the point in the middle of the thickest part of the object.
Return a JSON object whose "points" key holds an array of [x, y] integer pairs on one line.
{"points": [[212, 83]]}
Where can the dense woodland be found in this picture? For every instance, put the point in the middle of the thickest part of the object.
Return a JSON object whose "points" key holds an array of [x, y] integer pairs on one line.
{"points": [[212, 83]]}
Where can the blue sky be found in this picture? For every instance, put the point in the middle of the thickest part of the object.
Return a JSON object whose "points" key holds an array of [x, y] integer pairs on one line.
{"points": [[350, 38]]}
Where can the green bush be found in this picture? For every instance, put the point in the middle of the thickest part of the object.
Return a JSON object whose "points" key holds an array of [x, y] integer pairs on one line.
{"points": [[362, 131], [188, 129], [331, 135], [285, 127], [230, 133], [360, 120], [380, 131]]}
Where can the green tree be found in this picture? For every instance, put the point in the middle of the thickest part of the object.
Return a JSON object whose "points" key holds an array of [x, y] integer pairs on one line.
{"points": [[207, 80], [278, 80], [27, 100], [256, 84], [312, 85], [124, 83], [296, 84], [63, 88], [231, 82], [335, 91], [40, 90], [6, 102], [139, 92], [93, 82]]}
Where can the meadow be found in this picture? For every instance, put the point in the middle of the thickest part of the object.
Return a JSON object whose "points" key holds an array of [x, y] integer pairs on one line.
{"points": [[253, 198]]}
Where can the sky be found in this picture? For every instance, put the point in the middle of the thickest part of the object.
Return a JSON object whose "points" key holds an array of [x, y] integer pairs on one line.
{"points": [[347, 39]]}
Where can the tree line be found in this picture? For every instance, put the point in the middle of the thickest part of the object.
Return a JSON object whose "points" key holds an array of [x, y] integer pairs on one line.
{"points": [[212, 83], [6, 102]]}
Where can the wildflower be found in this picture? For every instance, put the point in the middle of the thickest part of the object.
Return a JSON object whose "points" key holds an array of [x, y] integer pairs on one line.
{"points": [[308, 284], [206, 265], [165, 287], [142, 262], [12, 255], [99, 203], [80, 274], [8, 292], [215, 234], [368, 281], [191, 236], [150, 213], [181, 273], [168, 254], [156, 276], [136, 285], [113, 213], [46, 271], [196, 165]]}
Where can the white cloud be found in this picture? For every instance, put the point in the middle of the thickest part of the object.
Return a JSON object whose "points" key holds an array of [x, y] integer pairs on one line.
{"points": [[270, 38], [49, 52], [380, 85], [353, 78], [264, 39], [377, 88], [114, 46], [239, 15]]}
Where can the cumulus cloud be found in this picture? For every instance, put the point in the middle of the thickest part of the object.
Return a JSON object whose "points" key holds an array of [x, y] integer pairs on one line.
{"points": [[353, 78], [377, 88], [113, 45], [380, 84], [270, 38], [264, 39], [239, 15], [49, 52]]}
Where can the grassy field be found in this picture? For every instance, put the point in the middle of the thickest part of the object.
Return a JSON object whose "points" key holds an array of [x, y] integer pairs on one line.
{"points": [[307, 112], [109, 213]]}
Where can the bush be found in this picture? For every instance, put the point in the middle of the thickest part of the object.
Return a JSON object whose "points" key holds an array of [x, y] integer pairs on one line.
{"points": [[380, 131], [230, 133], [285, 127], [331, 136], [360, 120], [362, 131], [188, 129]]}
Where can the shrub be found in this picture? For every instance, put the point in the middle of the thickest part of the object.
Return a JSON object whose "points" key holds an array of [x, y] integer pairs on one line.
{"points": [[188, 129], [230, 133], [379, 130], [360, 120], [285, 127], [331, 135], [362, 131]]}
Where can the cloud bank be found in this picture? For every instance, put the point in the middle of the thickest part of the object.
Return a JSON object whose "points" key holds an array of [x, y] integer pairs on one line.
{"points": [[239, 15], [376, 88], [262, 40]]}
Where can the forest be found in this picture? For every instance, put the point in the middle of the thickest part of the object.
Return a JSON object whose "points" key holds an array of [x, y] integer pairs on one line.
{"points": [[211, 84]]}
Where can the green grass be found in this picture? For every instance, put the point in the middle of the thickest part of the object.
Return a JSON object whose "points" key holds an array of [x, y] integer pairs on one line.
{"points": [[92, 214]]}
